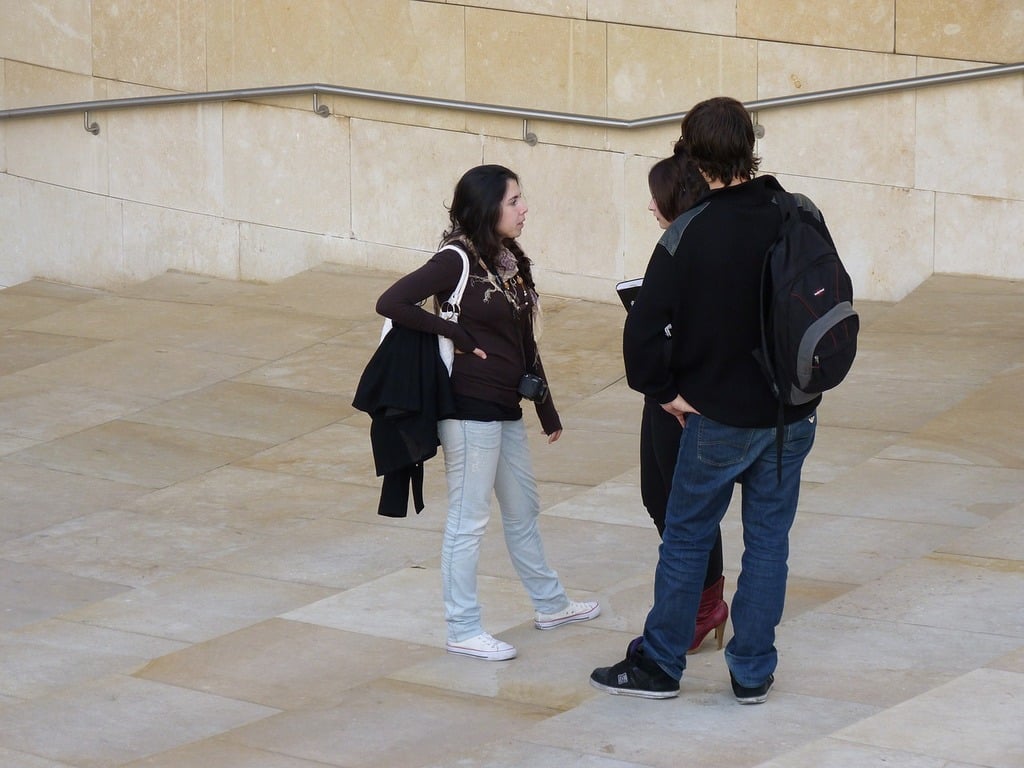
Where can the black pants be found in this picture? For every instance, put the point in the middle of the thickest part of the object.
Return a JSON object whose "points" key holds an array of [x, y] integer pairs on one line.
{"points": [[659, 446]]}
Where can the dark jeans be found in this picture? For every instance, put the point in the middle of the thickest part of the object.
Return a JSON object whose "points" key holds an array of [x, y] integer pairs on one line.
{"points": [[659, 446], [713, 457]]}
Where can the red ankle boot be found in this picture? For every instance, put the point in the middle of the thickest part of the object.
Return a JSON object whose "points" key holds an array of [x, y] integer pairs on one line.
{"points": [[711, 614]]}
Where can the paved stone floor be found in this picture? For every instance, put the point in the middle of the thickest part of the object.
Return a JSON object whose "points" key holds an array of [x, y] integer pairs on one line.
{"points": [[192, 572]]}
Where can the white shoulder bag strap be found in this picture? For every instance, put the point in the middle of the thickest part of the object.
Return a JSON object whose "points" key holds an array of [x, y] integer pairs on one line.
{"points": [[449, 311], [451, 308]]}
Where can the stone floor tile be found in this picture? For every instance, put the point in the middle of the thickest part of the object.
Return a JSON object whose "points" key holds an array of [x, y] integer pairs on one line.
{"points": [[328, 368], [361, 506], [13, 443], [264, 414], [407, 605], [115, 719], [257, 333], [552, 492], [608, 410], [44, 411], [219, 753], [983, 429], [835, 753], [872, 313], [853, 549], [625, 603], [197, 605], [347, 295], [837, 450], [332, 553], [138, 454], [24, 349], [288, 665], [581, 456], [425, 723], [340, 451], [515, 753], [126, 547], [31, 593], [34, 498], [992, 443], [551, 669], [142, 369], [918, 492], [945, 591], [692, 729], [1002, 538], [47, 657], [118, 317], [803, 595], [934, 357], [359, 340], [880, 663], [240, 331], [1000, 314], [603, 556], [978, 286], [237, 497], [614, 502], [197, 289], [47, 289], [1011, 662], [19, 309], [586, 321], [575, 373], [868, 401], [11, 759], [974, 719]]}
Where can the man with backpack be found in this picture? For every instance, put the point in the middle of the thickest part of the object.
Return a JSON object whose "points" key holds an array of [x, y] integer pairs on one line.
{"points": [[705, 278]]}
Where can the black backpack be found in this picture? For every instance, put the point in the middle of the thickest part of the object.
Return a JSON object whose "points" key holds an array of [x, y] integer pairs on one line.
{"points": [[808, 324]]}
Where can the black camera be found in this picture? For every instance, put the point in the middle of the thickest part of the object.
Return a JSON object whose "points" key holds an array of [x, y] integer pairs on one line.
{"points": [[533, 388]]}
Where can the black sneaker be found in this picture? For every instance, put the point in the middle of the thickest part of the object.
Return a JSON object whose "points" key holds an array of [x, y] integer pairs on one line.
{"points": [[757, 695], [635, 676]]}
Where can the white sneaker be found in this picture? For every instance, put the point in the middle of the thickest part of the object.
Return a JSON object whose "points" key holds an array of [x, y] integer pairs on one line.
{"points": [[575, 612], [483, 646]]}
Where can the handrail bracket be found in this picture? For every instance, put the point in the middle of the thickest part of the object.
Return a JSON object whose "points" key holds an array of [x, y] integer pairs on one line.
{"points": [[758, 128], [93, 128], [528, 136], [321, 109]]}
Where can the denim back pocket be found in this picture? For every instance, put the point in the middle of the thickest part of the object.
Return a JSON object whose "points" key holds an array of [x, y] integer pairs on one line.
{"points": [[721, 446], [799, 436]]}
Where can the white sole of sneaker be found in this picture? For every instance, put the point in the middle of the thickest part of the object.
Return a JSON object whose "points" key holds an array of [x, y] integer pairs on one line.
{"points": [[593, 613], [482, 655], [753, 699], [633, 691]]}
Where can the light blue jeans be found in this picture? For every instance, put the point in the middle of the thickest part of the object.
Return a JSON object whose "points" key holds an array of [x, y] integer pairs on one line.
{"points": [[713, 457], [481, 457]]}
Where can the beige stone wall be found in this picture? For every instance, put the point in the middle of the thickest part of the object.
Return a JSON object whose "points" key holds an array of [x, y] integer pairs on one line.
{"points": [[911, 183]]}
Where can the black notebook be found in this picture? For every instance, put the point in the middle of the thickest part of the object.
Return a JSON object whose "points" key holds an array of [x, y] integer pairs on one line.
{"points": [[627, 290]]}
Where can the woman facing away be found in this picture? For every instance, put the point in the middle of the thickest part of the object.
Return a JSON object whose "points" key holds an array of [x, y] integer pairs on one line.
{"points": [[485, 446], [676, 186]]}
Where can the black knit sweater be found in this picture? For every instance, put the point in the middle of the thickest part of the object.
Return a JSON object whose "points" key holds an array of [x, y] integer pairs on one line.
{"points": [[704, 278]]}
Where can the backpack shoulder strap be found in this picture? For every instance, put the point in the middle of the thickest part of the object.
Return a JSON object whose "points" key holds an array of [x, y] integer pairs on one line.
{"points": [[806, 204], [789, 204]]}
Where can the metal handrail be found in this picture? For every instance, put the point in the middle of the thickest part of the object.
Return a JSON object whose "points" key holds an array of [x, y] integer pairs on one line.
{"points": [[319, 89]]}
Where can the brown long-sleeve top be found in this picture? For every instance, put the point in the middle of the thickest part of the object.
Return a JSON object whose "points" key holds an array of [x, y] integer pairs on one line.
{"points": [[485, 390]]}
